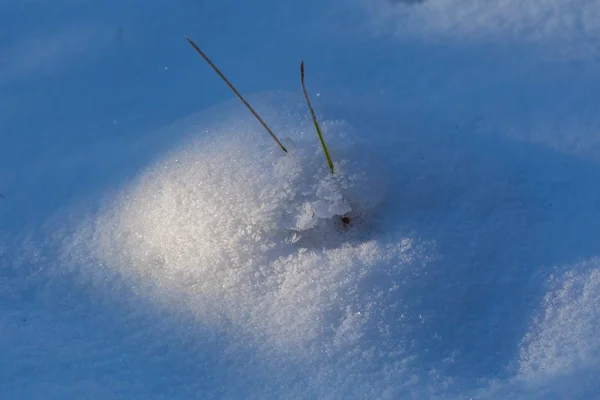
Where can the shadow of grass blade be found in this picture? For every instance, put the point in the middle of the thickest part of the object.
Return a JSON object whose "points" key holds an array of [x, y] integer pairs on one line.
{"points": [[314, 118], [238, 94]]}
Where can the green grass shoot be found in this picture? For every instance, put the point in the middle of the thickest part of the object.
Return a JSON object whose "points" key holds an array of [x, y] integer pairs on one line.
{"points": [[314, 118], [224, 78]]}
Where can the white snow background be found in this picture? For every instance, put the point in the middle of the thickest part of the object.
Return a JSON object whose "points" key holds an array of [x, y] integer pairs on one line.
{"points": [[155, 243]]}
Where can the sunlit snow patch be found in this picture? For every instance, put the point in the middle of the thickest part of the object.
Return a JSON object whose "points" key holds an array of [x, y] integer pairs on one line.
{"points": [[250, 240], [563, 341], [560, 355]]}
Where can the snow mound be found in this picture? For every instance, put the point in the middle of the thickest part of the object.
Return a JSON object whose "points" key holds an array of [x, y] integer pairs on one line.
{"points": [[559, 355], [563, 340], [249, 243], [250, 240]]}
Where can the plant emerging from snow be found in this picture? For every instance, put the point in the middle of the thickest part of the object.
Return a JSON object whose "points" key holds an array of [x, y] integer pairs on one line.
{"points": [[331, 201]]}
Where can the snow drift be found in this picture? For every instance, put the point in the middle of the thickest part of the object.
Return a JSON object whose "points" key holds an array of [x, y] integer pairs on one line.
{"points": [[251, 242], [286, 301]]}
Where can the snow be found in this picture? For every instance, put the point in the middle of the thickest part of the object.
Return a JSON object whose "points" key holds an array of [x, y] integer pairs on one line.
{"points": [[569, 23], [571, 302], [181, 254]]}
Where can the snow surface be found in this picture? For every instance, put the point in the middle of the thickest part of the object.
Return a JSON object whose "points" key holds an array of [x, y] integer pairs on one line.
{"points": [[155, 243]]}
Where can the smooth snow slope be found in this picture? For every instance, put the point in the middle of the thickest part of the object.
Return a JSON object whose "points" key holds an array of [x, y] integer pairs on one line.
{"points": [[142, 258]]}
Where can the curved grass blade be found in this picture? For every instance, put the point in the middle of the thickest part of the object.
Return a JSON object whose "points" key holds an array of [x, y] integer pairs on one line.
{"points": [[248, 106], [314, 118]]}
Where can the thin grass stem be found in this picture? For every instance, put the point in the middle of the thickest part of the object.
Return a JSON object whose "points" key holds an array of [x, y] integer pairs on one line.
{"points": [[314, 118], [248, 106]]}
